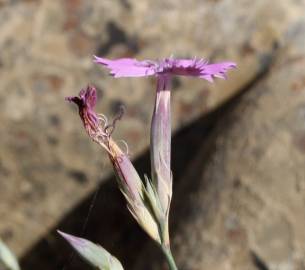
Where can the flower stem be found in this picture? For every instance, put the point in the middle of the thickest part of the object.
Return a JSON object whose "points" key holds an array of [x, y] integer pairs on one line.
{"points": [[169, 257]]}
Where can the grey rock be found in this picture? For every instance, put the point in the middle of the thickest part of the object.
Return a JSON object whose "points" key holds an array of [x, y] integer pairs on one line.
{"points": [[47, 49]]}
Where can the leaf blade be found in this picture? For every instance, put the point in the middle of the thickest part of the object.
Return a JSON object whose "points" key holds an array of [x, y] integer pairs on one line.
{"points": [[94, 254]]}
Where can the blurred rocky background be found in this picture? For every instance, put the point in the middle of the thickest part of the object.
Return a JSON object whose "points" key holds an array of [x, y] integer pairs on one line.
{"points": [[238, 145]]}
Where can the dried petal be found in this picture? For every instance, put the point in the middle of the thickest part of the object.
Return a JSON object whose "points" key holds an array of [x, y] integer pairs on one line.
{"points": [[86, 102]]}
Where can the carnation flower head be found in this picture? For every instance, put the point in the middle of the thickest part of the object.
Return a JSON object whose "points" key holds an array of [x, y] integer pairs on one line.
{"points": [[160, 137], [100, 131], [128, 67], [129, 181]]}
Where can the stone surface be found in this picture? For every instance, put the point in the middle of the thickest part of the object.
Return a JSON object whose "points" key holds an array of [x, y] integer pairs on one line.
{"points": [[246, 211], [47, 164]]}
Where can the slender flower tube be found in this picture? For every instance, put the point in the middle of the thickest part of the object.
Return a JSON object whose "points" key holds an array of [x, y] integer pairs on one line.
{"points": [[128, 179], [161, 119], [161, 145]]}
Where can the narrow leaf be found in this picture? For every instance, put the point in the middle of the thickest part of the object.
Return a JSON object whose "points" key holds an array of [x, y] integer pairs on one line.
{"points": [[94, 254], [8, 260]]}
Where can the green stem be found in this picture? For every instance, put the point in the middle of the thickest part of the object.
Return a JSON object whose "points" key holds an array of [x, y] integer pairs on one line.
{"points": [[169, 257]]}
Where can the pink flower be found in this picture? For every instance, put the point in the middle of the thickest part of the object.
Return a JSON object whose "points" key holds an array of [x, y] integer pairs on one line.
{"points": [[128, 67], [161, 121]]}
